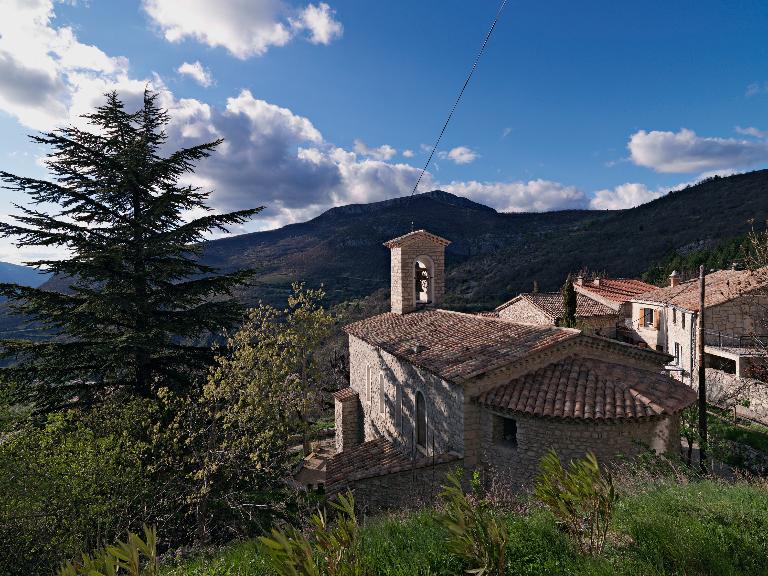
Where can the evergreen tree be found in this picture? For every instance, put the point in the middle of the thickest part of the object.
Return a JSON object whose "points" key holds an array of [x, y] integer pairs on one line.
{"points": [[569, 303], [138, 296]]}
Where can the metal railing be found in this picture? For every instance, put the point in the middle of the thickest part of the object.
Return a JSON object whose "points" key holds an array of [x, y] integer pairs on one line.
{"points": [[726, 340]]}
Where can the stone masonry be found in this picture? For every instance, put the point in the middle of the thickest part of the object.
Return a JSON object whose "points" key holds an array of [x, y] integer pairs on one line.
{"points": [[348, 419], [405, 251]]}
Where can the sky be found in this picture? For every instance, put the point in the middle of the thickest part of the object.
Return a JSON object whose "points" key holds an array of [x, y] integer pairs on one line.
{"points": [[595, 104]]}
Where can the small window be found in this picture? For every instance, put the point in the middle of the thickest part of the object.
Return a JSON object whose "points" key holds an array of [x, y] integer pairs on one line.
{"points": [[421, 420], [509, 432], [369, 385], [682, 319], [648, 317], [677, 354], [674, 315], [382, 394]]}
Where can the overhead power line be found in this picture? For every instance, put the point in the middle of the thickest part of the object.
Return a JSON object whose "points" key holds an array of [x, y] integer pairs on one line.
{"points": [[461, 93]]}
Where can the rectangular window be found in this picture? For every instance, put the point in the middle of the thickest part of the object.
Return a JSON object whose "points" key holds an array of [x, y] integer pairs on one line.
{"points": [[505, 431], [674, 315], [648, 317], [369, 385], [677, 354], [382, 394], [682, 319]]}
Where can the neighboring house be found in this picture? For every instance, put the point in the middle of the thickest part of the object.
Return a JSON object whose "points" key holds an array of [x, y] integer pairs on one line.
{"points": [[614, 293], [546, 308], [431, 390], [735, 321]]}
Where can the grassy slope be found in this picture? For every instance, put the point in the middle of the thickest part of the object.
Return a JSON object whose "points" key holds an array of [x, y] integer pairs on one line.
{"points": [[700, 528]]}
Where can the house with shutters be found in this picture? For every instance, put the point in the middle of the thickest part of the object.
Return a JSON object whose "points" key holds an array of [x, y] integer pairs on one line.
{"points": [[735, 321], [432, 390]]}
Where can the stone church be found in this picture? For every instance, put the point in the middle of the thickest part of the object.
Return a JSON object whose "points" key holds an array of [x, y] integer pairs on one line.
{"points": [[431, 390]]}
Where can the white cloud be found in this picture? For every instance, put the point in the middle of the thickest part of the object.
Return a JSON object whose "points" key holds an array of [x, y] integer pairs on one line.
{"points": [[46, 75], [243, 27], [384, 152], [318, 21], [684, 151], [459, 155], [624, 196], [532, 196], [197, 72], [751, 131], [408, 153], [756, 88], [506, 132]]}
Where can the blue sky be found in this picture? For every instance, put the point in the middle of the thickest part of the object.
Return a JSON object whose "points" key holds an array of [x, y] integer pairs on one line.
{"points": [[593, 104]]}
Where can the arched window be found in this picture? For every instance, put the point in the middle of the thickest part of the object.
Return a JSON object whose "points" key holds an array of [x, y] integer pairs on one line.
{"points": [[421, 420], [423, 275]]}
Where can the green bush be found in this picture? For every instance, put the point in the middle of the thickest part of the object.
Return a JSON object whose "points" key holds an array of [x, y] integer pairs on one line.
{"points": [[581, 497], [476, 533], [67, 487], [134, 557]]}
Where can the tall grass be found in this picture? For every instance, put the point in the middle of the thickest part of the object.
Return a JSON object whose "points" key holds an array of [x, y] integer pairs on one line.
{"points": [[703, 528]]}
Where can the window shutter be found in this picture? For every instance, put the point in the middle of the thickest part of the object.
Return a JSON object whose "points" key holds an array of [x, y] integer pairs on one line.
{"points": [[656, 319], [640, 317]]}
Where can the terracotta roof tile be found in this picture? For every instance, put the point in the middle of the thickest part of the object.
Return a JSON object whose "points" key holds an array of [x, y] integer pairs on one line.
{"points": [[618, 290], [376, 457], [590, 389], [551, 303], [720, 287], [345, 394], [453, 345]]}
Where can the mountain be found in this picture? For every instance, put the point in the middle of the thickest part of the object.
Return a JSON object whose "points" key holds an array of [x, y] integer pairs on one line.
{"points": [[493, 255], [24, 275]]}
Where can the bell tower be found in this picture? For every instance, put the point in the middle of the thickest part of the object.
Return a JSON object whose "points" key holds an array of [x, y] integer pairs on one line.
{"points": [[417, 271]]}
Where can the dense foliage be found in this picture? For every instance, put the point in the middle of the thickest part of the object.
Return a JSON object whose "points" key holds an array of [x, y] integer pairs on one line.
{"points": [[138, 296]]}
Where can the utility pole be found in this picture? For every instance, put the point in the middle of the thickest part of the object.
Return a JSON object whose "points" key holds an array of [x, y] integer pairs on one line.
{"points": [[702, 376]]}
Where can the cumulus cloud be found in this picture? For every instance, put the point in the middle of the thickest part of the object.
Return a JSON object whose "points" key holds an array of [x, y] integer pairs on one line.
{"points": [[197, 72], [459, 155], [751, 131], [319, 21], [408, 153], [623, 196], [532, 196], [243, 27], [684, 151], [384, 152], [46, 75]]}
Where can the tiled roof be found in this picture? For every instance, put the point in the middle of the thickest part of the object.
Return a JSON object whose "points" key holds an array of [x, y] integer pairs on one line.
{"points": [[618, 290], [453, 345], [551, 303], [345, 394], [719, 287], [374, 458], [400, 240], [590, 389]]}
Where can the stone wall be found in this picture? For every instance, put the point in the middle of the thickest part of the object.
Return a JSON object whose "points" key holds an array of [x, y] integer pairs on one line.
{"points": [[415, 488], [652, 336], [347, 416], [745, 315], [518, 465], [387, 389], [681, 329], [728, 389]]}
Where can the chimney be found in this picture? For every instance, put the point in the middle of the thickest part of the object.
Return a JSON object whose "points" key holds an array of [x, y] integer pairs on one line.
{"points": [[417, 271], [580, 280], [596, 281], [674, 278]]}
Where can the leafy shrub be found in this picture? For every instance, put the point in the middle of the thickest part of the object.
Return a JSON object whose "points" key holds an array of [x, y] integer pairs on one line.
{"points": [[582, 498], [68, 485], [121, 558], [329, 550], [475, 532]]}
